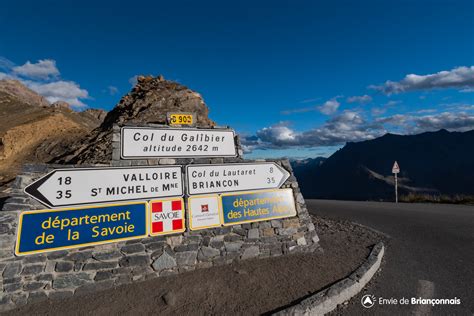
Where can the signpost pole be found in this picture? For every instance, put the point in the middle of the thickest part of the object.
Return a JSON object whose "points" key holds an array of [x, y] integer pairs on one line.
{"points": [[395, 171], [396, 188]]}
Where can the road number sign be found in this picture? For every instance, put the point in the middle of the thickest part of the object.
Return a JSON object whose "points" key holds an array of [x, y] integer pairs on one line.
{"points": [[232, 177], [181, 119], [145, 142], [66, 187]]}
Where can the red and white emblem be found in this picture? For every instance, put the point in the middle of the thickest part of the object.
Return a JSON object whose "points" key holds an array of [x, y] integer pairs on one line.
{"points": [[167, 216]]}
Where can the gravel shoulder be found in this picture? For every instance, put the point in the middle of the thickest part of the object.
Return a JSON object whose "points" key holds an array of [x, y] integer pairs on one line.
{"points": [[249, 287]]}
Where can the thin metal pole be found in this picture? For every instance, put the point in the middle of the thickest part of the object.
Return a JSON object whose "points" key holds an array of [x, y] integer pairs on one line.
{"points": [[396, 188]]}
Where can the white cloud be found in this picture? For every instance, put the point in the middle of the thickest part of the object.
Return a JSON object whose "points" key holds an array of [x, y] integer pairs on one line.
{"points": [[461, 78], [346, 127], [279, 133], [465, 107], [43, 77], [392, 103], [67, 91], [329, 107], [425, 111], [43, 69], [112, 90], [310, 100], [4, 76], [377, 111], [411, 124], [300, 110], [460, 121], [6, 64], [350, 126], [362, 99]]}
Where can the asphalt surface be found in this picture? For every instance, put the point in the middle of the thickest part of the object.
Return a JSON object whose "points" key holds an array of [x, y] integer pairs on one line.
{"points": [[430, 254]]}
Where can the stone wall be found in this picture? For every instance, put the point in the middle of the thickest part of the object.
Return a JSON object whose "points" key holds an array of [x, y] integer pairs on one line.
{"points": [[65, 273]]}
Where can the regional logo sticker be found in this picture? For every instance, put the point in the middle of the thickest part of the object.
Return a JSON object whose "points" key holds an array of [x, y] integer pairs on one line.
{"points": [[167, 216], [204, 212]]}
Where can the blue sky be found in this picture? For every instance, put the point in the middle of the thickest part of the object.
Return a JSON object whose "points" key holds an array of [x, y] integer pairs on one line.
{"points": [[295, 78]]}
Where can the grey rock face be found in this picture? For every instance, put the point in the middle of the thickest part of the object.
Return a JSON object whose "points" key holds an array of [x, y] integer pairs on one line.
{"points": [[253, 233], [64, 266], [11, 270], [165, 261], [134, 261], [251, 252], [186, 258], [208, 252], [233, 246], [71, 280]]}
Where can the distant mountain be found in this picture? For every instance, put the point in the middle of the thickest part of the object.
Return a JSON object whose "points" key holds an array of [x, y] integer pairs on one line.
{"points": [[14, 89], [32, 130], [301, 166], [432, 163]]}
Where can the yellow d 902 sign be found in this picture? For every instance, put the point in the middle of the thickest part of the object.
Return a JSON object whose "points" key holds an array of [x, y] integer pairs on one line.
{"points": [[181, 119]]}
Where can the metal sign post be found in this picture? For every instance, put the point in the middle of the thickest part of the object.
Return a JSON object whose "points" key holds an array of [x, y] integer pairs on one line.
{"points": [[395, 171]]}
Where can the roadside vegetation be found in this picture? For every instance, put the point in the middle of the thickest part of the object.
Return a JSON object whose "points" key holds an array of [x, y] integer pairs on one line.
{"points": [[433, 198]]}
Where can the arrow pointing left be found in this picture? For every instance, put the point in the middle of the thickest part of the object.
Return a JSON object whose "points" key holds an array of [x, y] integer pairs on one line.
{"points": [[67, 187]]}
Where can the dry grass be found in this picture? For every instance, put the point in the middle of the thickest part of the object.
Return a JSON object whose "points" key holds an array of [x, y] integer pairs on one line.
{"points": [[437, 198]]}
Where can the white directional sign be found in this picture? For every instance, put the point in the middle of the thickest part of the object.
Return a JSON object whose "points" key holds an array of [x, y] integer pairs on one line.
{"points": [[203, 179], [147, 142], [66, 187], [395, 168]]}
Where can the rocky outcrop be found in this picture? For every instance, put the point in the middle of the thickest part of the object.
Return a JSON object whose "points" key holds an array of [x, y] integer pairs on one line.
{"points": [[152, 98], [97, 114], [147, 103], [61, 105]]}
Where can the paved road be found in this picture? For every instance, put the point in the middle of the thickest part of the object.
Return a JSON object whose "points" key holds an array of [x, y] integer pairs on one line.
{"points": [[430, 254]]}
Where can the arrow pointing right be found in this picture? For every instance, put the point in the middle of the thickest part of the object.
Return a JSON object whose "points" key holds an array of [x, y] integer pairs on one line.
{"points": [[233, 177]]}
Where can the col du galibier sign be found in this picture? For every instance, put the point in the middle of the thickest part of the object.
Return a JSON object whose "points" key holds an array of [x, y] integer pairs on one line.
{"points": [[148, 142]]}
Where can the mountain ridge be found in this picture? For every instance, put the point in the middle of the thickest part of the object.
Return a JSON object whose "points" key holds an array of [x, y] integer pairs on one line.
{"points": [[33, 130], [439, 162]]}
